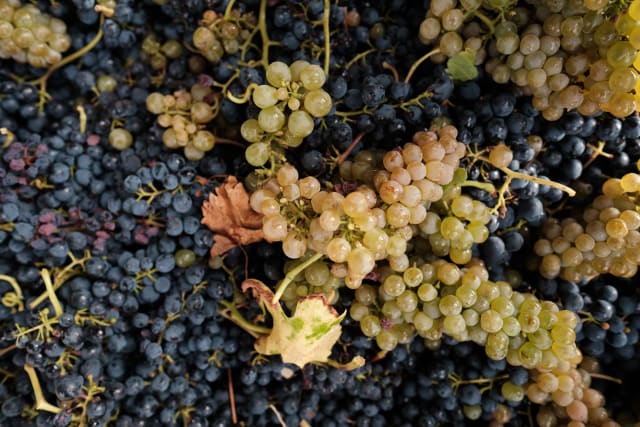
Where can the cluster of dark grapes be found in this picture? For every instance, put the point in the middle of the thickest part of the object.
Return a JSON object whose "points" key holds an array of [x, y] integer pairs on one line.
{"points": [[458, 178]]}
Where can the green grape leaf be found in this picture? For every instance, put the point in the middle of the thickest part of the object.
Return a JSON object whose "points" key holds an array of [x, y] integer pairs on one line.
{"points": [[462, 66], [305, 337]]}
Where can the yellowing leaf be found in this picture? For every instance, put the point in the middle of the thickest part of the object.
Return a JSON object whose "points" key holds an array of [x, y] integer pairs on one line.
{"points": [[307, 336], [229, 215]]}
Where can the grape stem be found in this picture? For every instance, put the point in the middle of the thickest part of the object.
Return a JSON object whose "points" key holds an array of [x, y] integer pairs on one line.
{"points": [[83, 118], [232, 398], [393, 70], [327, 36], [12, 299], [264, 35], [231, 313], [597, 152], [42, 81], [9, 135], [227, 12], [606, 377], [349, 149], [416, 64], [278, 415], [292, 274], [41, 402], [357, 58]]}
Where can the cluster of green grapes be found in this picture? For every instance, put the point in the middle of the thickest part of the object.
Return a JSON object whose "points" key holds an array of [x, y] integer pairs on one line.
{"points": [[571, 55], [436, 297], [218, 34], [606, 240], [28, 35], [185, 114], [288, 106], [566, 396], [444, 28], [377, 218], [156, 54], [317, 278]]}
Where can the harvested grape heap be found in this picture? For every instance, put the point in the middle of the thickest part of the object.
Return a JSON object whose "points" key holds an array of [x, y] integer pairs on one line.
{"points": [[319, 213]]}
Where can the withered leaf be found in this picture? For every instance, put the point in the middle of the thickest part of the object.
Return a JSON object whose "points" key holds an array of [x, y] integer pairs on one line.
{"points": [[307, 336], [229, 215]]}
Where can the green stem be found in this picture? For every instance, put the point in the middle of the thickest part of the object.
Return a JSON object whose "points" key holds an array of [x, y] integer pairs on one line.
{"points": [[237, 318], [519, 175], [293, 273], [327, 36], [416, 64], [358, 57], [41, 402], [227, 11], [486, 186]]}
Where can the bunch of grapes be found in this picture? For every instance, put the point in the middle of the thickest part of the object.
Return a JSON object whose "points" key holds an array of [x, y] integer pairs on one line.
{"points": [[606, 240], [317, 278], [28, 35], [185, 114], [452, 27], [288, 106], [566, 395], [572, 57], [438, 297], [218, 34], [156, 54]]}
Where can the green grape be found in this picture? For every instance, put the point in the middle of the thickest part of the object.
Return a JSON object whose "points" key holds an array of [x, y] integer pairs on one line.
{"points": [[393, 285], [296, 68], [366, 294], [192, 153], [264, 96], [154, 103], [407, 301], [422, 322], [203, 140], [184, 258], [386, 340], [251, 131], [529, 355], [471, 317], [497, 345], [563, 335], [450, 305], [370, 325], [529, 323], [451, 228], [454, 324], [300, 124], [503, 306], [511, 326], [427, 292], [271, 119], [120, 139], [317, 274], [491, 321], [412, 276], [318, 103], [541, 339], [512, 392], [467, 296], [621, 54], [278, 74], [312, 77], [257, 154]]}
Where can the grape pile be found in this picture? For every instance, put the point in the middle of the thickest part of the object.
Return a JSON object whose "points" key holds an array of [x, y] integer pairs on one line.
{"points": [[28, 35], [326, 213]]}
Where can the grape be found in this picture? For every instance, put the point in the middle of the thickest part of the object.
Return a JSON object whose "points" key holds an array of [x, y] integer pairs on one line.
{"points": [[312, 77], [300, 124], [264, 96], [271, 119], [278, 74], [317, 103]]}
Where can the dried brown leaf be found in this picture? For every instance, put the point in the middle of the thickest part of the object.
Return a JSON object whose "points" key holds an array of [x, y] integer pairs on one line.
{"points": [[229, 215]]}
